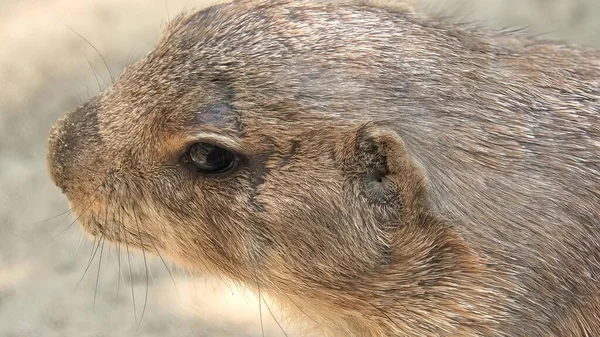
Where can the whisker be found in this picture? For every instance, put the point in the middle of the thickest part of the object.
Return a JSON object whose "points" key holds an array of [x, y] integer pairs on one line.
{"points": [[131, 282], [151, 276], [105, 225], [119, 272], [64, 230], [79, 244], [72, 223], [90, 262], [108, 254], [97, 51], [168, 270], [54, 217], [95, 74], [92, 251], [129, 61], [90, 200], [275, 319], [79, 96], [119, 229], [146, 266], [168, 15], [87, 88], [299, 308], [260, 300], [262, 328], [98, 274], [130, 276]]}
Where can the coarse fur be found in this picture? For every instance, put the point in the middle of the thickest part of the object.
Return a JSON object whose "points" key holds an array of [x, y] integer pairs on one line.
{"points": [[398, 176]]}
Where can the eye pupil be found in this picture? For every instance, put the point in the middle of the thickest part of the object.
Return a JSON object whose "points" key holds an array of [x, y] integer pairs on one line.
{"points": [[208, 158]]}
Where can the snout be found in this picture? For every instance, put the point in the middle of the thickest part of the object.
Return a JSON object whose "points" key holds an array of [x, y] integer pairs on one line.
{"points": [[71, 145]]}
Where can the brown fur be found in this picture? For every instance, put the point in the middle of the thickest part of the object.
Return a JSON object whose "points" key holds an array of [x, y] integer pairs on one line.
{"points": [[402, 176]]}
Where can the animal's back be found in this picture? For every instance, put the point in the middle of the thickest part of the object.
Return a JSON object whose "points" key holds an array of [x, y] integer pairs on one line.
{"points": [[512, 152]]}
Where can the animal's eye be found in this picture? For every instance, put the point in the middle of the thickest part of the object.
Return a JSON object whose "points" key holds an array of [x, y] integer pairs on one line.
{"points": [[209, 159]]}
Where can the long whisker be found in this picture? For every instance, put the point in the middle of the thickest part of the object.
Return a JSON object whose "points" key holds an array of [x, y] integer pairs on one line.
{"points": [[119, 229], [90, 262], [119, 272], [97, 51], [98, 274], [89, 200], [131, 282], [261, 299], [87, 88], [262, 328], [79, 96], [105, 224], [170, 274], [300, 309], [279, 325], [130, 276], [108, 253], [79, 244], [67, 228], [72, 223], [95, 74], [146, 266], [67, 212], [92, 251], [168, 270]]}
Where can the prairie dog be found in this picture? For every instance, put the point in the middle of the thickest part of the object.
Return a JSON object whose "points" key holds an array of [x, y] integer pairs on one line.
{"points": [[373, 169]]}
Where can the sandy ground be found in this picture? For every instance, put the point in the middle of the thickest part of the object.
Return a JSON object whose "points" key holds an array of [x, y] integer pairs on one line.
{"points": [[44, 72]]}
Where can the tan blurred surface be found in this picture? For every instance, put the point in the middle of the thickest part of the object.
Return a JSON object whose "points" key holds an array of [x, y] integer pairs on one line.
{"points": [[44, 73]]}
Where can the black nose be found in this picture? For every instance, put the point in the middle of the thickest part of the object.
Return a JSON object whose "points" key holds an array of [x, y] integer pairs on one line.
{"points": [[71, 141]]}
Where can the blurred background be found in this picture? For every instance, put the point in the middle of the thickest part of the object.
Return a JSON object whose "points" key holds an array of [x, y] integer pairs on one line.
{"points": [[46, 69]]}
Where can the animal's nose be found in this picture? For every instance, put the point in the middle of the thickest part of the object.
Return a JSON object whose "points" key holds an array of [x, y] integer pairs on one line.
{"points": [[71, 141]]}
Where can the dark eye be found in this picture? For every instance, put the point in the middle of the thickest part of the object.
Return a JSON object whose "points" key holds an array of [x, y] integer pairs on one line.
{"points": [[209, 159]]}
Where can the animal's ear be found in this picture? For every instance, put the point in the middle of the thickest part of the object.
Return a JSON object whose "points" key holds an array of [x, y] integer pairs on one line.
{"points": [[384, 164]]}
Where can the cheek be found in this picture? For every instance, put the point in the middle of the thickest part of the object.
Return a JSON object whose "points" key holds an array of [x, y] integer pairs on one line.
{"points": [[308, 213], [307, 191], [319, 228], [208, 212]]}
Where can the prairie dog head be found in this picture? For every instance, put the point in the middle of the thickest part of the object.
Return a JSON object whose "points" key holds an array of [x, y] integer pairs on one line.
{"points": [[236, 143], [254, 141]]}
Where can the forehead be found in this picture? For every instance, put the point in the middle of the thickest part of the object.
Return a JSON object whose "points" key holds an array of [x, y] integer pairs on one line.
{"points": [[231, 68]]}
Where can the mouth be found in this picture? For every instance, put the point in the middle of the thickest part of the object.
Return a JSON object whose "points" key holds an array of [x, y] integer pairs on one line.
{"points": [[111, 221]]}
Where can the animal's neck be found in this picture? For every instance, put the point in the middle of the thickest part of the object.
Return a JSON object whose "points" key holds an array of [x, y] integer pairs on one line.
{"points": [[433, 285], [512, 154]]}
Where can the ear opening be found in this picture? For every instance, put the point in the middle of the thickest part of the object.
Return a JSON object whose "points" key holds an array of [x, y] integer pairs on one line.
{"points": [[388, 169]]}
